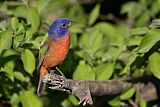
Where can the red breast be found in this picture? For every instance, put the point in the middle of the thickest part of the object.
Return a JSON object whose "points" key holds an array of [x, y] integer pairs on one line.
{"points": [[57, 52]]}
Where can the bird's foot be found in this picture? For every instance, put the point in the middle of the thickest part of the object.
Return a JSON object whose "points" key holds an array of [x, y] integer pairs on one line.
{"points": [[86, 100], [59, 88], [52, 72], [51, 79]]}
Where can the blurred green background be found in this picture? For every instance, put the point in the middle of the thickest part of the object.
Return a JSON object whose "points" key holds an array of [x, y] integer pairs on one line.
{"points": [[110, 39]]}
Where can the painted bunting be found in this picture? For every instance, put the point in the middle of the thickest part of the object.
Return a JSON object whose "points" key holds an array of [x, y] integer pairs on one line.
{"points": [[54, 49]]}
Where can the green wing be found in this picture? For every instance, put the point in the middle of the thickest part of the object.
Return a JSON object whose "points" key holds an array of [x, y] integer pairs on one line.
{"points": [[43, 51]]}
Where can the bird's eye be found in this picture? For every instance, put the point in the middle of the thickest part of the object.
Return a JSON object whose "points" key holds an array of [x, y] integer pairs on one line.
{"points": [[63, 26]]}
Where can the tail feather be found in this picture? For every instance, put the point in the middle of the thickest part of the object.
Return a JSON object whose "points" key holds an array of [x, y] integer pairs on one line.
{"points": [[41, 87]]}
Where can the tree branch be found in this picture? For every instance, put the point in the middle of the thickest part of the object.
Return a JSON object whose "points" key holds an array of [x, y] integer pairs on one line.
{"points": [[84, 89]]}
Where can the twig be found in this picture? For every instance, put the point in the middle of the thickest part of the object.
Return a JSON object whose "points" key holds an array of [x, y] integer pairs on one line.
{"points": [[132, 103], [84, 89]]}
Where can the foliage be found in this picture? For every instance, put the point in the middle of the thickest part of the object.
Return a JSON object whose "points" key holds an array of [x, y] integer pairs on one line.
{"points": [[100, 50]]}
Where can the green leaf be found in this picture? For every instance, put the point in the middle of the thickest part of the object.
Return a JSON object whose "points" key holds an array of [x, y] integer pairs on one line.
{"points": [[92, 41], [20, 11], [143, 19], [9, 52], [105, 28], [140, 99], [73, 99], [125, 70], [133, 56], [96, 41], [154, 61], [104, 71], [28, 60], [9, 62], [19, 76], [134, 41], [139, 31], [34, 18], [14, 23], [21, 29], [65, 103], [115, 102], [73, 40], [42, 5], [44, 39], [29, 34], [18, 40], [155, 24], [110, 33], [5, 40], [148, 41], [3, 24], [112, 53], [128, 94], [85, 55], [9, 56], [84, 41], [29, 99], [132, 9], [155, 8], [83, 72], [15, 100], [77, 28], [8, 68], [35, 44], [94, 14]]}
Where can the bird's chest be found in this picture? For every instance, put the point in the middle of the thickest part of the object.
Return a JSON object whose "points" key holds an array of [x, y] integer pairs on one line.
{"points": [[57, 51]]}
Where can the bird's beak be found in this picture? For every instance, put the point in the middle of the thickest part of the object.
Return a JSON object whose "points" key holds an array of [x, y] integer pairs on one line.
{"points": [[70, 23]]}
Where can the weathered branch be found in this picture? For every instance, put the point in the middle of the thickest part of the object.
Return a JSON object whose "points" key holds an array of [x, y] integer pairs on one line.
{"points": [[149, 91], [84, 89]]}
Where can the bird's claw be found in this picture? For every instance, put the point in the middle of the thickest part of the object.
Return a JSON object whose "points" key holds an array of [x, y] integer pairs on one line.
{"points": [[56, 83], [47, 78], [50, 79], [86, 100], [54, 87]]}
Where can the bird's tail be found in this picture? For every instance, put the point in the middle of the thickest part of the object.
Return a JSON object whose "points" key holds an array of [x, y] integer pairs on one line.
{"points": [[41, 86]]}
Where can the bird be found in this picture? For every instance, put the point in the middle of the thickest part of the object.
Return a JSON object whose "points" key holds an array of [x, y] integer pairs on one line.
{"points": [[54, 50]]}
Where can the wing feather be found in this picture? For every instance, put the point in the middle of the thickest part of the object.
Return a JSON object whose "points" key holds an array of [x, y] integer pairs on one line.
{"points": [[43, 51]]}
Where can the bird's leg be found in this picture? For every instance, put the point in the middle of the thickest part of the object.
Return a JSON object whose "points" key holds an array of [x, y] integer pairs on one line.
{"points": [[60, 72]]}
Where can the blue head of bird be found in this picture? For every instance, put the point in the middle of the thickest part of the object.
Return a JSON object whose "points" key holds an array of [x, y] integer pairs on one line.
{"points": [[59, 28]]}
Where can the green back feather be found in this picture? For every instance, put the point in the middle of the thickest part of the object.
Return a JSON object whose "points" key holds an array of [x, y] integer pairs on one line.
{"points": [[43, 50]]}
